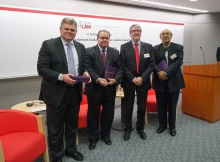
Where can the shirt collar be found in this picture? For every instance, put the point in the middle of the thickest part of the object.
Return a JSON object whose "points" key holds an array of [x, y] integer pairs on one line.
{"points": [[65, 42], [166, 46], [102, 49], [139, 42]]}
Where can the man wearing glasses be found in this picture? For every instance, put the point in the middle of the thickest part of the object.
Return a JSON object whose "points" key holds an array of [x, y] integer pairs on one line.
{"points": [[138, 63]]}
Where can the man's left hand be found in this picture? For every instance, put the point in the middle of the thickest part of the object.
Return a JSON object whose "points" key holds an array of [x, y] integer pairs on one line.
{"points": [[87, 74], [111, 81]]}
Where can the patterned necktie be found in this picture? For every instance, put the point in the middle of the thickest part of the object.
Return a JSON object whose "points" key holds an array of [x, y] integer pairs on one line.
{"points": [[137, 56], [71, 63], [103, 56], [166, 53], [166, 56]]}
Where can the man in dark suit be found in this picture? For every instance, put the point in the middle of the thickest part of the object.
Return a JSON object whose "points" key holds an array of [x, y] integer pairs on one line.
{"points": [[138, 61], [59, 59], [167, 83], [218, 54], [101, 91]]}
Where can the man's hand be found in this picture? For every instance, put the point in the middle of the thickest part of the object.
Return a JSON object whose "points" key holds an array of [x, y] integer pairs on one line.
{"points": [[102, 82], [111, 81], [87, 74], [162, 75], [138, 81], [68, 80]]}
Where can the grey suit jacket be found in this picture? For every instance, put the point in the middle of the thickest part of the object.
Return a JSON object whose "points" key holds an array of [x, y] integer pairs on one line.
{"points": [[174, 72], [51, 62], [95, 66], [127, 54]]}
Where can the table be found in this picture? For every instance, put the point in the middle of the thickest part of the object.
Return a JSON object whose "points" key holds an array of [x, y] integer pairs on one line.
{"points": [[119, 125], [38, 106]]}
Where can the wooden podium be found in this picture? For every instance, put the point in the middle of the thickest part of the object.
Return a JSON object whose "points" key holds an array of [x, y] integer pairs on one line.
{"points": [[201, 97]]}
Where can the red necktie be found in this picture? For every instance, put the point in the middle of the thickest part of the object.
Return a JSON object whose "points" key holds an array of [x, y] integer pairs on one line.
{"points": [[137, 56], [103, 56]]}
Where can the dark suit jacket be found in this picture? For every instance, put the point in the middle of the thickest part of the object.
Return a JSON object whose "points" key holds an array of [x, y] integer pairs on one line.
{"points": [[96, 69], [51, 62], [127, 54], [176, 81], [218, 54]]}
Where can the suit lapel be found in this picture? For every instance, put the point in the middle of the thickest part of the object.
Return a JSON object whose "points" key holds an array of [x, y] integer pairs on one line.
{"points": [[170, 53], [109, 56], [79, 54], [99, 56], [59, 45], [162, 52], [131, 48]]}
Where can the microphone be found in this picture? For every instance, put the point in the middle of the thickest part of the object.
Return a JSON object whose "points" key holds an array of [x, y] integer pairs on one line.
{"points": [[203, 54]]}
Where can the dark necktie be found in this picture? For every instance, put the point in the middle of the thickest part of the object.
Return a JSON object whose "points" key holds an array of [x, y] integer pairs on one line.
{"points": [[71, 63], [137, 56], [103, 57]]}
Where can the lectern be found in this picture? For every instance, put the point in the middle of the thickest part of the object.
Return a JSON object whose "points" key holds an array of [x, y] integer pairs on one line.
{"points": [[201, 97]]}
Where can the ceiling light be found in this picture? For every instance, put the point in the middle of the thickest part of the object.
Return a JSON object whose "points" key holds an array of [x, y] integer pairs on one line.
{"points": [[168, 5], [192, 9], [159, 4]]}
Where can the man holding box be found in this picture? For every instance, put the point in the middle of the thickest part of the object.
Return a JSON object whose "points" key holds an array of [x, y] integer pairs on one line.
{"points": [[59, 60], [101, 91], [167, 80]]}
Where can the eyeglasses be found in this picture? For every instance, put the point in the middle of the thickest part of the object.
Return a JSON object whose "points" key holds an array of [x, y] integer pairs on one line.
{"points": [[134, 31]]}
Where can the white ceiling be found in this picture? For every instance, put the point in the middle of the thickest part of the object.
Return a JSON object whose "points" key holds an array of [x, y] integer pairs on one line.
{"points": [[209, 5]]}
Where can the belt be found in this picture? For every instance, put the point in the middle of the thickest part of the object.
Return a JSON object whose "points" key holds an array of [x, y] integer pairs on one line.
{"points": [[72, 85]]}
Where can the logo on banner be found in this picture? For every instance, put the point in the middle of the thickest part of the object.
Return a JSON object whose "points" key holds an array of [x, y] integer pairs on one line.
{"points": [[84, 25]]}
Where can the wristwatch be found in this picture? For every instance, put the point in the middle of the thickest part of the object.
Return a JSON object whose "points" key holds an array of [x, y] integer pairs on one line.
{"points": [[61, 77]]}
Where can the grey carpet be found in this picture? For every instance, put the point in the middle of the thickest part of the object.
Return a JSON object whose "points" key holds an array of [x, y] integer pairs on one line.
{"points": [[196, 141]]}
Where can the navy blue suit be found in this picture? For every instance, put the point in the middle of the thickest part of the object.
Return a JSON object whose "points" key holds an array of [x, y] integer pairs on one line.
{"points": [[167, 92], [146, 66]]}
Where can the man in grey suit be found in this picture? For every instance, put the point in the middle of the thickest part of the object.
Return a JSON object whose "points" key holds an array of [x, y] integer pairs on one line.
{"points": [[167, 83], [138, 62], [101, 91], [59, 59]]}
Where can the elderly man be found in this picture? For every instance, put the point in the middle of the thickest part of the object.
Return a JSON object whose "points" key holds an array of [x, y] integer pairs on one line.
{"points": [[167, 80]]}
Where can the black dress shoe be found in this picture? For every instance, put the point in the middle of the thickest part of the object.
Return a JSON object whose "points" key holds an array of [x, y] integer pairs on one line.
{"points": [[160, 130], [56, 159], [127, 136], [173, 132], [108, 141], [92, 145], [75, 155], [142, 134]]}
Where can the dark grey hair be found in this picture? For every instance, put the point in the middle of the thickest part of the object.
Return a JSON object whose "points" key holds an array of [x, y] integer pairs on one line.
{"points": [[136, 25]]}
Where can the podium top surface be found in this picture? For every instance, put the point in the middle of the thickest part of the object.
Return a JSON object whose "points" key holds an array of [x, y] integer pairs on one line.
{"points": [[206, 70]]}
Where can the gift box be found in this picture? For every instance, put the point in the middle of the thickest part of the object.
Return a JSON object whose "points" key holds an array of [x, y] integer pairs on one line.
{"points": [[162, 65], [81, 78], [110, 72]]}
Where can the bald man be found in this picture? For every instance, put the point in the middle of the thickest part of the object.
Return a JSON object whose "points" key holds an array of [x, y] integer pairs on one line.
{"points": [[168, 81]]}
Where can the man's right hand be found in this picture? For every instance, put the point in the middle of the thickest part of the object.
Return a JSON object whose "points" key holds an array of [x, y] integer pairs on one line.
{"points": [[102, 82], [68, 80], [162, 75]]}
